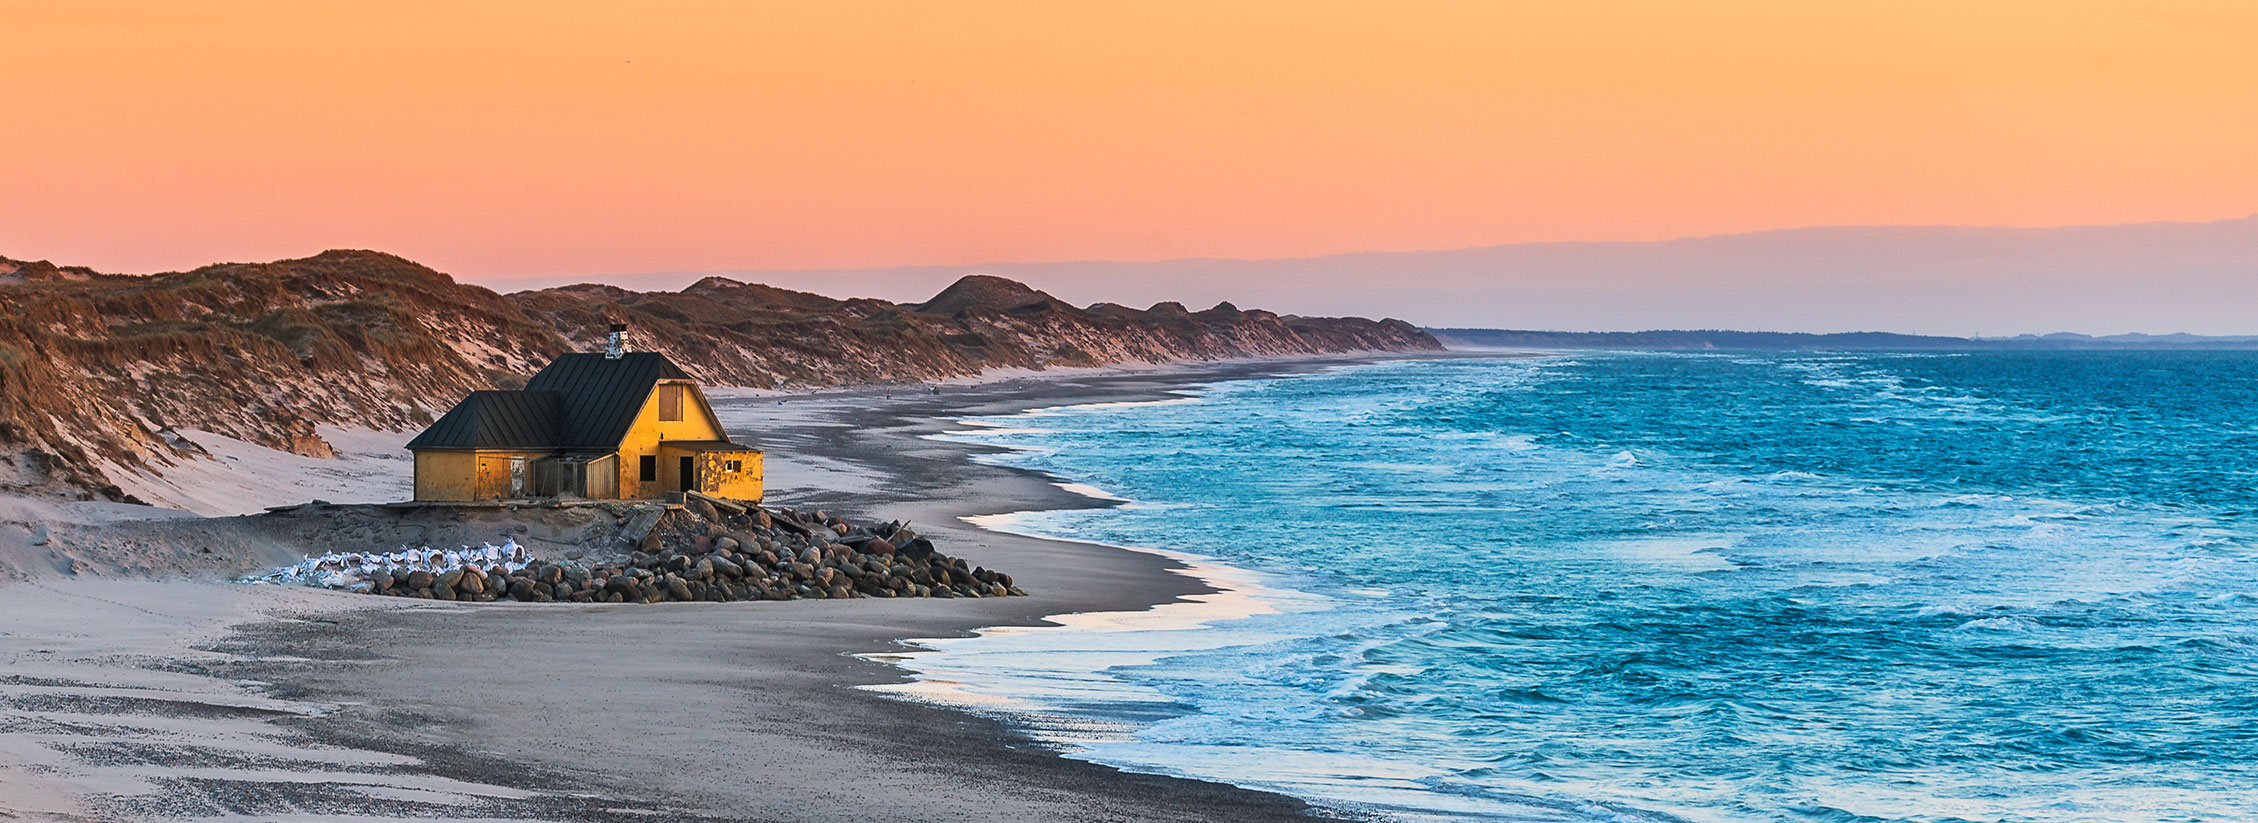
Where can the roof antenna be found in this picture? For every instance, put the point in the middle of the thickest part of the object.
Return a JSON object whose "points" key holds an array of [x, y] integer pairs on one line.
{"points": [[617, 348]]}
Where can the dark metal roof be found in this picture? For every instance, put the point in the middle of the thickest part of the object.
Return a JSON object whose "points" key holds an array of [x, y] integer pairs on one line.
{"points": [[497, 420], [602, 395]]}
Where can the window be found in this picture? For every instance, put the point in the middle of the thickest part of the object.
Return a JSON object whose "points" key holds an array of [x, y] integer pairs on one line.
{"points": [[650, 468], [670, 403], [733, 465]]}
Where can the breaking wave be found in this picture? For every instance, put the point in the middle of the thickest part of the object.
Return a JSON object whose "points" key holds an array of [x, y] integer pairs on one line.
{"points": [[1991, 587]]}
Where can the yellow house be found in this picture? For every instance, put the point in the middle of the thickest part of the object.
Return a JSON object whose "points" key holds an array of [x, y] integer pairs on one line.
{"points": [[605, 425]]}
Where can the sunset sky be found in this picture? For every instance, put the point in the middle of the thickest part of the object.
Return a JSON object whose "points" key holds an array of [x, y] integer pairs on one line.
{"points": [[505, 140]]}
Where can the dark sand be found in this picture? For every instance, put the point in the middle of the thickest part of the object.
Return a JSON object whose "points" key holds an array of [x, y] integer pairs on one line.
{"points": [[314, 705]]}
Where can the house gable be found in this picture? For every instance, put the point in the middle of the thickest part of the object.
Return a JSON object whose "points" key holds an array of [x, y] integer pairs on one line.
{"points": [[647, 431]]}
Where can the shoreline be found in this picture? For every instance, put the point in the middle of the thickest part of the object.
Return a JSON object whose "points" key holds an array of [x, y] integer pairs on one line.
{"points": [[738, 711]]}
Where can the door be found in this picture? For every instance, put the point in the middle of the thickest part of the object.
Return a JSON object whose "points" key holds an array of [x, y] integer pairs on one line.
{"points": [[689, 474]]}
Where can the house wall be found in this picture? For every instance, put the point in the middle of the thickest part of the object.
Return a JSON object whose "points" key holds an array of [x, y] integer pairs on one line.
{"points": [[468, 475], [445, 475], [648, 431], [744, 484], [495, 474], [713, 474]]}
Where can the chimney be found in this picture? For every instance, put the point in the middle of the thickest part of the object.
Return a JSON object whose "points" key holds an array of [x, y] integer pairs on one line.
{"points": [[617, 348]]}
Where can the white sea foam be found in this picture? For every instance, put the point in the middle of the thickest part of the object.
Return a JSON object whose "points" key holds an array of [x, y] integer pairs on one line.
{"points": [[1093, 492], [1046, 675]]}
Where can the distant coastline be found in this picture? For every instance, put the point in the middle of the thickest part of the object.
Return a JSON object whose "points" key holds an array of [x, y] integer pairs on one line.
{"points": [[1682, 339]]}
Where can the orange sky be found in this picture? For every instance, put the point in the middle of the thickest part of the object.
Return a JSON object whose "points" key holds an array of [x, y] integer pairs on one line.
{"points": [[497, 140]]}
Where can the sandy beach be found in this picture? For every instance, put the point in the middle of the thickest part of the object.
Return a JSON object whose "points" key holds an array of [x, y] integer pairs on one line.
{"points": [[158, 692]]}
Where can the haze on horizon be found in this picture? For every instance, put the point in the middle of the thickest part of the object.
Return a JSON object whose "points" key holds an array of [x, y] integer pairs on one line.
{"points": [[519, 143]]}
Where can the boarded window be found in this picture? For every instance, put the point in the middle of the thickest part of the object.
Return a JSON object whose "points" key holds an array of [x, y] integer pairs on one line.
{"points": [[670, 403], [650, 468]]}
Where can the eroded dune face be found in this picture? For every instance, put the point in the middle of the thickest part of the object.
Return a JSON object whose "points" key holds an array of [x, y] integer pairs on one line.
{"points": [[101, 371]]}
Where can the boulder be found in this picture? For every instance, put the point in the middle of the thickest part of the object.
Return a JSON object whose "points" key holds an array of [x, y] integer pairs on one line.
{"points": [[918, 549]]}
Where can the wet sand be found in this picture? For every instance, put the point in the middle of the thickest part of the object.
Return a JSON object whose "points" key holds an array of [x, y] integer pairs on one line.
{"points": [[127, 699]]}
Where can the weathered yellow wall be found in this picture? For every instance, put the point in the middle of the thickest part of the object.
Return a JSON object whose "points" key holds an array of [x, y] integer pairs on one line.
{"points": [[495, 473], [740, 485], [444, 475], [467, 475], [643, 438], [713, 474]]}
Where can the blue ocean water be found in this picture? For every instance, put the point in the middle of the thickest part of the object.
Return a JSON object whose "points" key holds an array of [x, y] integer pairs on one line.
{"points": [[1667, 586]]}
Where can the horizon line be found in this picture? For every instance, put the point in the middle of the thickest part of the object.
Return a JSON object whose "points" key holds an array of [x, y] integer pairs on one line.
{"points": [[723, 272]]}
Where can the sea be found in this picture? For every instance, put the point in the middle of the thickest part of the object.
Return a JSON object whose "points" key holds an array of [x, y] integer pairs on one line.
{"points": [[1640, 586]]}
